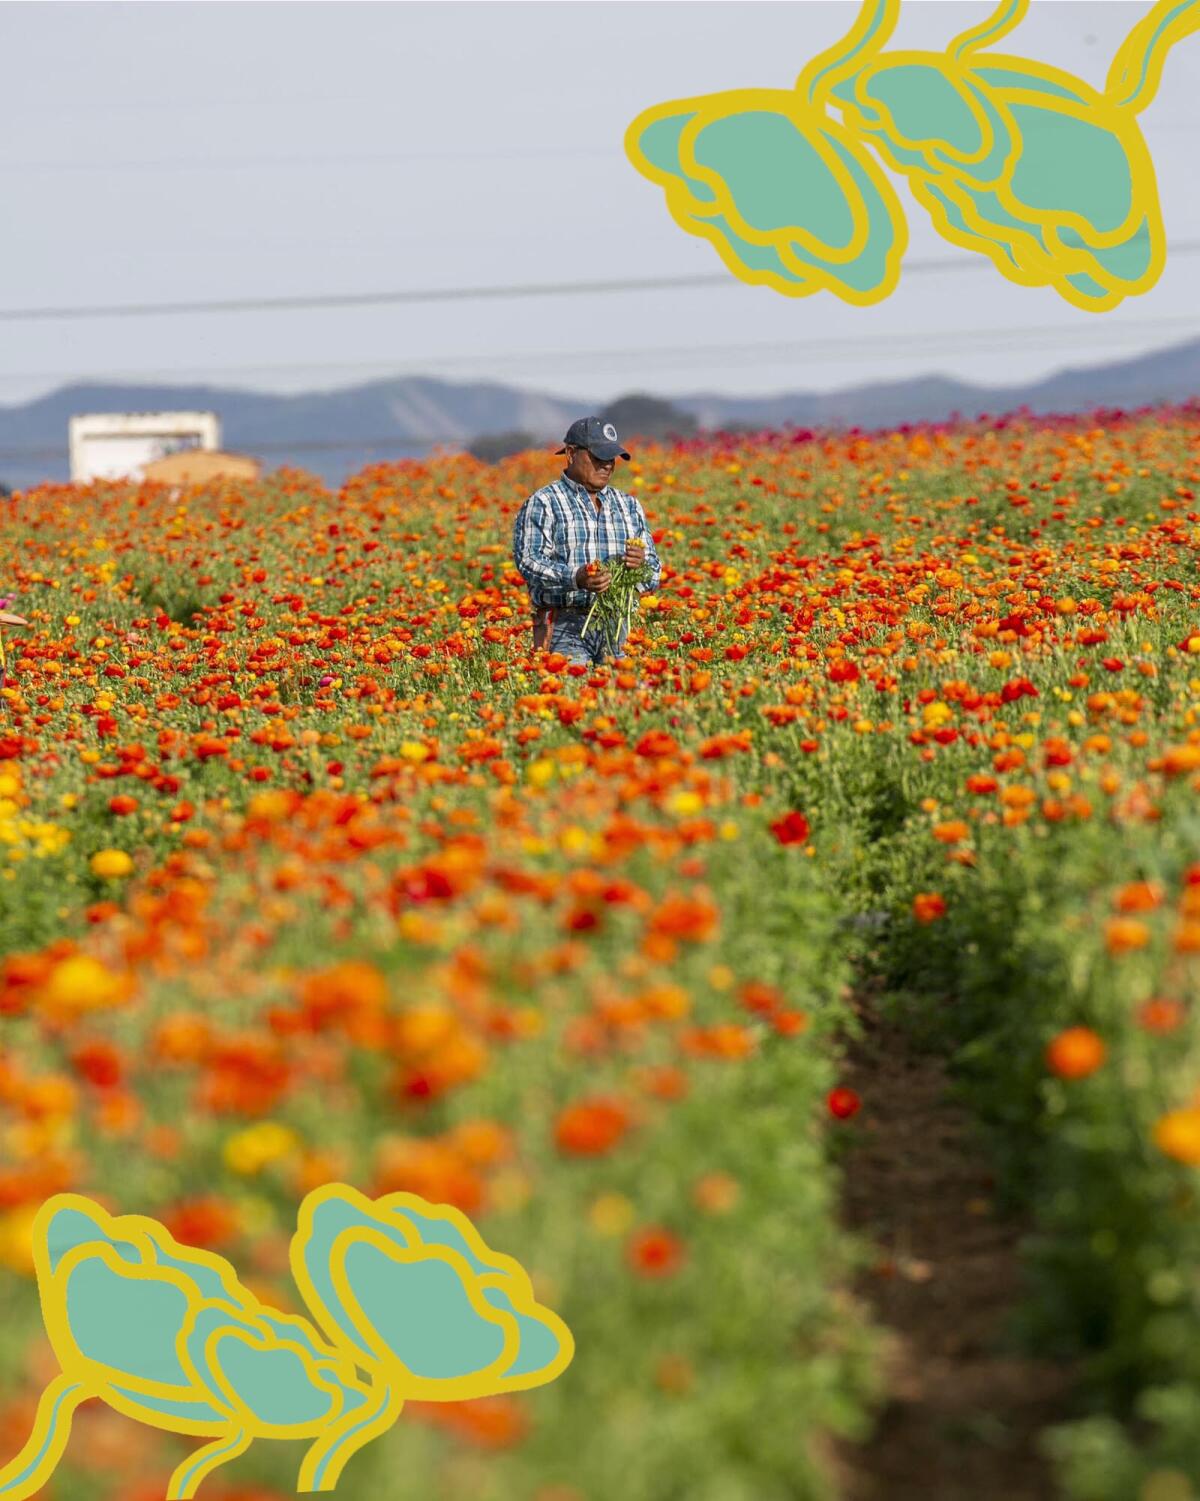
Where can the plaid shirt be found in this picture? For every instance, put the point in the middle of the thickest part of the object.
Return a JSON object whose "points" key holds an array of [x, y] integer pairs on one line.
{"points": [[559, 529]]}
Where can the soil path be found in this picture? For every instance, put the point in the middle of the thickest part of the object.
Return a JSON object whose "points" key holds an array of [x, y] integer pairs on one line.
{"points": [[964, 1407]]}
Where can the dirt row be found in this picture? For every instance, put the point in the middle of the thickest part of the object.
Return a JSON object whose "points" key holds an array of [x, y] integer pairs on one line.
{"points": [[964, 1406]]}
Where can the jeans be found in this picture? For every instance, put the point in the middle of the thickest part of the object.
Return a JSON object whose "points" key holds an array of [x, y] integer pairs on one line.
{"points": [[567, 637]]}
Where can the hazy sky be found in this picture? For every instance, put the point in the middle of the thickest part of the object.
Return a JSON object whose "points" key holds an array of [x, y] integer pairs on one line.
{"points": [[181, 151]]}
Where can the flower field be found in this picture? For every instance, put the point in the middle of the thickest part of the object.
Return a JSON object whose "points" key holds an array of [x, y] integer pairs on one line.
{"points": [[311, 871]]}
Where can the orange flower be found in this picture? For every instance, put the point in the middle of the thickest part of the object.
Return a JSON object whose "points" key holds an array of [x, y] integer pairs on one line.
{"points": [[952, 832], [665, 1082], [182, 1038], [431, 1169], [1186, 939], [1179, 760], [716, 1193], [724, 1040], [1138, 896], [591, 1127], [1075, 1053], [690, 917], [673, 1373], [928, 906], [1161, 1015], [341, 993], [486, 1422], [482, 1142], [1123, 934]]}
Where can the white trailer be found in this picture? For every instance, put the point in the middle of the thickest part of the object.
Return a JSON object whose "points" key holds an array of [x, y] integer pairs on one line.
{"points": [[118, 445]]}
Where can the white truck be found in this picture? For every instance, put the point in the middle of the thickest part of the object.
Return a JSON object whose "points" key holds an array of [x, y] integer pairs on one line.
{"points": [[118, 445]]}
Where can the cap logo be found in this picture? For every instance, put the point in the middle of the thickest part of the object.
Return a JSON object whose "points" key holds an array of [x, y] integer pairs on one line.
{"points": [[610, 432]]}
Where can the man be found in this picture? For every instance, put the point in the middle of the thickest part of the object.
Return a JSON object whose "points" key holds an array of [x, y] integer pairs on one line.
{"points": [[566, 531]]}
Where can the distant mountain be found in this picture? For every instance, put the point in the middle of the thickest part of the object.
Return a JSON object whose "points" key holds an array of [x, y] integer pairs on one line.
{"points": [[1171, 374], [334, 433]]}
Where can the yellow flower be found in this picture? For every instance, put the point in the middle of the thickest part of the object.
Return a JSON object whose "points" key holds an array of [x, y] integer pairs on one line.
{"points": [[611, 1214], [418, 928], [256, 1147], [1178, 1135], [529, 1021], [413, 750], [111, 863], [540, 773], [686, 803], [16, 1239], [80, 983], [510, 1191], [575, 841]]}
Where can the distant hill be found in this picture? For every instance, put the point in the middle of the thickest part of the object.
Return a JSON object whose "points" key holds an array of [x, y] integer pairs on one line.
{"points": [[1171, 374], [334, 433]]}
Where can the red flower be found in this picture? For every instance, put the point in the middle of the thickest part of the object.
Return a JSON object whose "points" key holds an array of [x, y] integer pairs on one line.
{"points": [[207, 1222], [99, 1063], [657, 743], [655, 1252], [843, 1103], [792, 828], [591, 1127]]}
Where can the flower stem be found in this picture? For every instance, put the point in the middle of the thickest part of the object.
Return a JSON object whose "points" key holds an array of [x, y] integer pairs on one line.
{"points": [[29, 1471], [186, 1478], [325, 1461]]}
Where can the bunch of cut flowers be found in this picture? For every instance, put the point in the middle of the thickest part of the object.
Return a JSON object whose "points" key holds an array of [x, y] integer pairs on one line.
{"points": [[614, 609]]}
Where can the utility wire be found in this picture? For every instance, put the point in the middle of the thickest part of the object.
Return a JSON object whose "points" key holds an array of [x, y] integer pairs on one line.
{"points": [[458, 294], [364, 159]]}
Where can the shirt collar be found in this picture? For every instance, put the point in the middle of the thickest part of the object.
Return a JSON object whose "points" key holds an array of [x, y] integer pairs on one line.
{"points": [[608, 489]]}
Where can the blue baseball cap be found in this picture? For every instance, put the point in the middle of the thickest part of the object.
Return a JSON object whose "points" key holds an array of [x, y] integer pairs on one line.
{"points": [[599, 438]]}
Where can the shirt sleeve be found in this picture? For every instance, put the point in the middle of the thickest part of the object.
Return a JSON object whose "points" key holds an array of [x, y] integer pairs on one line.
{"points": [[653, 561], [537, 557]]}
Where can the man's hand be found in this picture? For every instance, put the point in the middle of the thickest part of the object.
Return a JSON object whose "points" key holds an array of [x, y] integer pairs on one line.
{"points": [[635, 553], [594, 578]]}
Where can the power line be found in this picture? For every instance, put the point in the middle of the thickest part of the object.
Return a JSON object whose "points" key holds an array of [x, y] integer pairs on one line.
{"points": [[457, 294], [378, 159]]}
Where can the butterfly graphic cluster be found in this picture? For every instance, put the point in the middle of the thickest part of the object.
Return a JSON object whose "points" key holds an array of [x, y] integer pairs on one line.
{"points": [[406, 1300], [1011, 158]]}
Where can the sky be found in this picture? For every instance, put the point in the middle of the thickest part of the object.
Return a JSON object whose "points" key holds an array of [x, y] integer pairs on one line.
{"points": [[164, 151]]}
